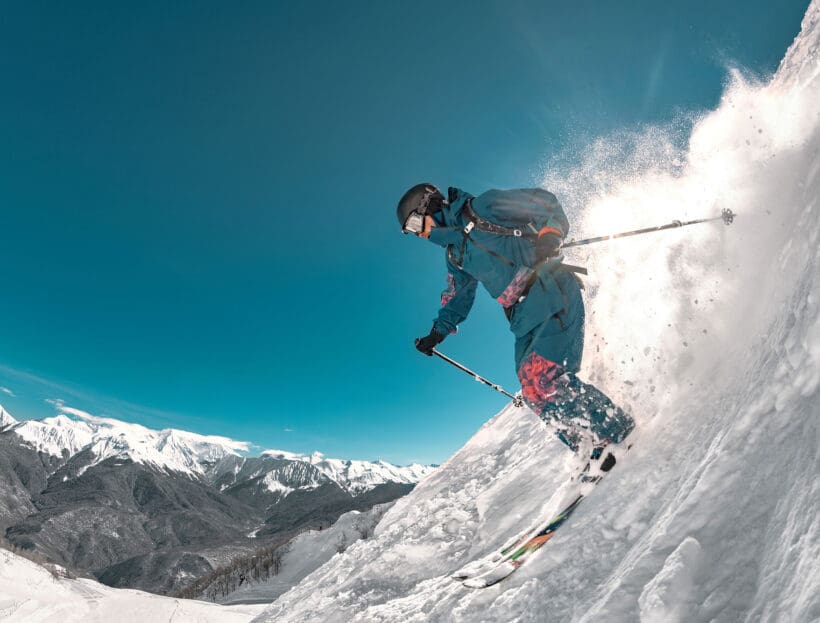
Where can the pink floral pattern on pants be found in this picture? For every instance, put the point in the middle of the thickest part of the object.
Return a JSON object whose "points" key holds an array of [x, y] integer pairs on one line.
{"points": [[450, 292], [539, 381]]}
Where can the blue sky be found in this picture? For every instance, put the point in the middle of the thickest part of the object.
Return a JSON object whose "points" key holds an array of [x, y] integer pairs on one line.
{"points": [[197, 200]]}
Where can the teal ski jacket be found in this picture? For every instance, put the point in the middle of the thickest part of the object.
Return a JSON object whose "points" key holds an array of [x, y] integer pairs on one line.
{"points": [[503, 265]]}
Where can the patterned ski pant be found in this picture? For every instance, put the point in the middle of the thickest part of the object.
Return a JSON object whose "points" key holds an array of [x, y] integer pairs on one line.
{"points": [[569, 405], [548, 350]]}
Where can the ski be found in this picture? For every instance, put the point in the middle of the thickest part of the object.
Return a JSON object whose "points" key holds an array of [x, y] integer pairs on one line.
{"points": [[488, 562], [501, 564], [523, 551], [485, 564]]}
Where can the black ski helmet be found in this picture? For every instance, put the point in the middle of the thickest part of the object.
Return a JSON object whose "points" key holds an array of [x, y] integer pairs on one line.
{"points": [[422, 198]]}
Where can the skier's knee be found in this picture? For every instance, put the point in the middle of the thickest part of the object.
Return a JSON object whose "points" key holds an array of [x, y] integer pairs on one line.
{"points": [[540, 385]]}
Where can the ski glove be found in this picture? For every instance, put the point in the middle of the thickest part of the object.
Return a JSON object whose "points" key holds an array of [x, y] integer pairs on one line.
{"points": [[547, 246], [427, 343]]}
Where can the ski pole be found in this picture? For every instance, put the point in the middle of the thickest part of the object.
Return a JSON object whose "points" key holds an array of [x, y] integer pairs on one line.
{"points": [[517, 400], [726, 215]]}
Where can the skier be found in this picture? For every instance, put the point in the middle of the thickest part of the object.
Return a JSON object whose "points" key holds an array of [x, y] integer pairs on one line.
{"points": [[509, 241]]}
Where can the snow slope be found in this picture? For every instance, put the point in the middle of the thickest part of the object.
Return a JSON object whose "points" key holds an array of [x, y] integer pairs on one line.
{"points": [[29, 593], [309, 551], [711, 335]]}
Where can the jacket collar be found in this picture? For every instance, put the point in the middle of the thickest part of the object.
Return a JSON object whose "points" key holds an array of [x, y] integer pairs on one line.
{"points": [[449, 223]]}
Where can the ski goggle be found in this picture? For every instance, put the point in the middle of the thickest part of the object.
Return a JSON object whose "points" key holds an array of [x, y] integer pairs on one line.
{"points": [[414, 224]]}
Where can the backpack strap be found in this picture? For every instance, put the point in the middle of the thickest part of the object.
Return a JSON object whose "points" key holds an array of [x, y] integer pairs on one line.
{"points": [[465, 233], [482, 224], [474, 221]]}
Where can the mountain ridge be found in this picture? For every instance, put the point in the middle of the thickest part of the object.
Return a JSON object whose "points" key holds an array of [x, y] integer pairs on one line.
{"points": [[72, 431], [155, 510]]}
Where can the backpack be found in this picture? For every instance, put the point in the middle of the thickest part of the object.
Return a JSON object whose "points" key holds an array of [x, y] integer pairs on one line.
{"points": [[529, 212]]}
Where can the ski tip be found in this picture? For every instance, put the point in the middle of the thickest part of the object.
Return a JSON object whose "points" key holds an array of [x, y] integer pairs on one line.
{"points": [[492, 577], [476, 583]]}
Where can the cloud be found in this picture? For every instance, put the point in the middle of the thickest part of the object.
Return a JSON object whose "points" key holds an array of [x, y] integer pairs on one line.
{"points": [[288, 430], [122, 408], [6, 390], [60, 405], [83, 415]]}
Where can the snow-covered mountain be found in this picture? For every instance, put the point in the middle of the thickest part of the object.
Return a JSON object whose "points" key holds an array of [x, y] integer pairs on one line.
{"points": [[158, 510], [73, 430], [5, 418], [712, 338], [357, 476], [58, 436]]}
